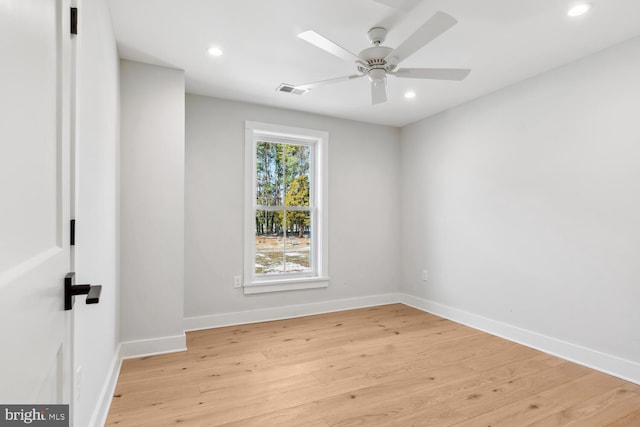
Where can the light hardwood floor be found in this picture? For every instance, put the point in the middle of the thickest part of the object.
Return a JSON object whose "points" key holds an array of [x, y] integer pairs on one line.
{"points": [[382, 366]]}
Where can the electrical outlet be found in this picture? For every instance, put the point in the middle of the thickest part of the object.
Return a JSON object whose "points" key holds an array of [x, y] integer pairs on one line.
{"points": [[237, 281], [425, 275]]}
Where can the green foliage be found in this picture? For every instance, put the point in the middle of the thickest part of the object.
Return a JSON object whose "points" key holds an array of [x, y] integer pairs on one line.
{"points": [[269, 173], [298, 195], [282, 179]]}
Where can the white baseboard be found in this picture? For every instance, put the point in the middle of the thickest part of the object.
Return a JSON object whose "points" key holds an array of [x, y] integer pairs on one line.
{"points": [[128, 350], [101, 411], [621, 368], [285, 312], [154, 346]]}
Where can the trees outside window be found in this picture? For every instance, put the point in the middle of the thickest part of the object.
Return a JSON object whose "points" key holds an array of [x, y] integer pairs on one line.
{"points": [[285, 208], [283, 235]]}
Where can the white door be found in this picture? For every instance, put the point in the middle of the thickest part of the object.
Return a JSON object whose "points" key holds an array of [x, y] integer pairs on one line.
{"points": [[35, 200]]}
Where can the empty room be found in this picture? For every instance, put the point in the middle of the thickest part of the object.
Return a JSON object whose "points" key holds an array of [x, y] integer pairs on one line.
{"points": [[320, 213]]}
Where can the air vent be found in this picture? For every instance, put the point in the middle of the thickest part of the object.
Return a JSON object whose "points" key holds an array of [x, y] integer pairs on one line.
{"points": [[284, 87]]}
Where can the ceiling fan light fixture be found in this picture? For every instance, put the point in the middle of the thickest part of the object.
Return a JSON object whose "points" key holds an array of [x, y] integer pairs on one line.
{"points": [[377, 74], [579, 9]]}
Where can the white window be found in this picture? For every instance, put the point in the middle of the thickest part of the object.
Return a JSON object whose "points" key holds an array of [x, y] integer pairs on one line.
{"points": [[285, 225]]}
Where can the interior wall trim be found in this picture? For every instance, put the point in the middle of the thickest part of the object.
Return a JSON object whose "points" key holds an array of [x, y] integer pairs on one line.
{"points": [[286, 312], [101, 410], [607, 363], [153, 346]]}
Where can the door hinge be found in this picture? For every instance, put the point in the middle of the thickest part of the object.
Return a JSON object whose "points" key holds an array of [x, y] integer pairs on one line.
{"points": [[72, 233], [74, 20]]}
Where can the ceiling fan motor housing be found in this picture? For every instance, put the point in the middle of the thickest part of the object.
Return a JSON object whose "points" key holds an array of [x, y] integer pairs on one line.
{"points": [[374, 58]]}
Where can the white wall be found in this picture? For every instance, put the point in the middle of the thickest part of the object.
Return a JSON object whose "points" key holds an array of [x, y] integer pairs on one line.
{"points": [[151, 202], [97, 118], [363, 201], [523, 205]]}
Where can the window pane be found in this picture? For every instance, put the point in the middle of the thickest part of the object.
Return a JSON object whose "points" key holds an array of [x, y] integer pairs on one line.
{"points": [[283, 237], [297, 175], [298, 244], [283, 242], [269, 174], [269, 242]]}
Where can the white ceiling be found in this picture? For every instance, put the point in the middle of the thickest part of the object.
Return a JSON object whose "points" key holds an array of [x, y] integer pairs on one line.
{"points": [[502, 41]]}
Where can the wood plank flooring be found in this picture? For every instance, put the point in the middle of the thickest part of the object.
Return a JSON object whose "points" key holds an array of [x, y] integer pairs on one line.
{"points": [[382, 366]]}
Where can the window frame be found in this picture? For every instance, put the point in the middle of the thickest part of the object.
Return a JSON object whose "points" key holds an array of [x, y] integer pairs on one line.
{"points": [[319, 143]]}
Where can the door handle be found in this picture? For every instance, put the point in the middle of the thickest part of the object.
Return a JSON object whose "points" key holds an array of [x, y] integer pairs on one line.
{"points": [[71, 290]]}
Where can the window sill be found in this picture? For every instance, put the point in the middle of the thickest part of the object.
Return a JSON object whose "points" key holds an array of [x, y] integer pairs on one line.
{"points": [[285, 285]]}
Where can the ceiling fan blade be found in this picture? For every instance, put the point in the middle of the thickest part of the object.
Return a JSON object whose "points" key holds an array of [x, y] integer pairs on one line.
{"points": [[457, 74], [435, 26], [314, 85], [327, 45], [378, 91], [403, 7]]}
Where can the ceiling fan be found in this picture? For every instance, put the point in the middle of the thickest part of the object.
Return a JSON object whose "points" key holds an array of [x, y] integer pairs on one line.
{"points": [[379, 61]]}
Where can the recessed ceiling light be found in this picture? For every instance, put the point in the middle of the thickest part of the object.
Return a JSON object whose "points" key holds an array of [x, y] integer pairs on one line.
{"points": [[409, 94], [214, 51], [579, 9]]}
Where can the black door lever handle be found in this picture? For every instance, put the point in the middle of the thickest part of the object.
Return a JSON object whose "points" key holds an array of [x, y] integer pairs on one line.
{"points": [[93, 297], [71, 290]]}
